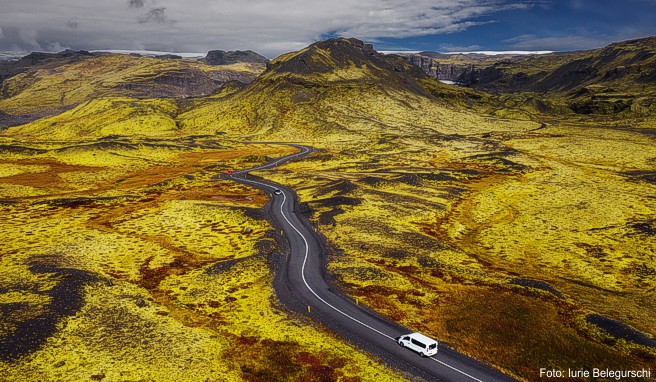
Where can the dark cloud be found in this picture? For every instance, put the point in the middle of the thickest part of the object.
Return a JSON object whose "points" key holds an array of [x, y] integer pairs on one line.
{"points": [[156, 15], [269, 27], [72, 24], [136, 3]]}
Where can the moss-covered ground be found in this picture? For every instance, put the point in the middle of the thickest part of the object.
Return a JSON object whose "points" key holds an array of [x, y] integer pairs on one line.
{"points": [[130, 259], [515, 231], [503, 244]]}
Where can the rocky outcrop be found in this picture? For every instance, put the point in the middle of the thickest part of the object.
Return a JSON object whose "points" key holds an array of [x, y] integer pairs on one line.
{"points": [[39, 57], [183, 83], [440, 70], [220, 57], [49, 60]]}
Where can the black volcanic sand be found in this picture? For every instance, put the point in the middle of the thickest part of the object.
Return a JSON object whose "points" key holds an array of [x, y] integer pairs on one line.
{"points": [[67, 298], [620, 330], [645, 176], [537, 284]]}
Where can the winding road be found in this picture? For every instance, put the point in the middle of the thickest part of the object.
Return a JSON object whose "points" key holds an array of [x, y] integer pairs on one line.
{"points": [[302, 283]]}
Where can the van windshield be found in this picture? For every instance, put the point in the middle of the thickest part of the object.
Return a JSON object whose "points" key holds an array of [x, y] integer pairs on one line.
{"points": [[432, 346]]}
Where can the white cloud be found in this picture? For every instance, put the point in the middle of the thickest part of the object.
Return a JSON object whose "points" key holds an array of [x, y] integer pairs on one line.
{"points": [[267, 26], [458, 48]]}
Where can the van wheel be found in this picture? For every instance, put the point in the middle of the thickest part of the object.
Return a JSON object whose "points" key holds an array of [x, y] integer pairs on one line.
{"points": [[422, 355], [401, 344]]}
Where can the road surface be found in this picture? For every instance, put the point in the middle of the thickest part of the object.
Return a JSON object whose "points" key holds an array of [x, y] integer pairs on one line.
{"points": [[302, 283]]}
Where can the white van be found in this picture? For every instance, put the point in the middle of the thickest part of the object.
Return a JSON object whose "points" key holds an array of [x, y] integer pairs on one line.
{"points": [[426, 347]]}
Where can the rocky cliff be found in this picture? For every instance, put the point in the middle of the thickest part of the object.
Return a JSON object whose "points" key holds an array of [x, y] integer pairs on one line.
{"points": [[440, 70]]}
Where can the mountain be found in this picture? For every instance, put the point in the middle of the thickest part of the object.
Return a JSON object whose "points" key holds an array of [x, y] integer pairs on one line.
{"points": [[220, 57], [617, 79], [43, 84], [618, 63], [338, 88]]}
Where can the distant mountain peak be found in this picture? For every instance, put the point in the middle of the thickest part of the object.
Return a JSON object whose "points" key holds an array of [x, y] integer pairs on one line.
{"points": [[221, 57], [344, 55]]}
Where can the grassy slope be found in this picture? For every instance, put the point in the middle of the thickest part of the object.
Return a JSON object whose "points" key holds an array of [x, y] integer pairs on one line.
{"points": [[105, 116], [615, 81], [49, 90], [299, 101], [112, 94]]}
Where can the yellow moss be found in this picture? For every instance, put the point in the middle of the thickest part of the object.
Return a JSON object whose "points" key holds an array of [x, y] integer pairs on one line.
{"points": [[48, 90], [207, 229], [7, 169], [20, 191], [561, 208], [105, 116], [158, 248], [120, 340], [242, 296]]}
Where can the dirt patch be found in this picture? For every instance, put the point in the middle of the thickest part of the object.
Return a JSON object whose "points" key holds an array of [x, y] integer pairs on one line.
{"points": [[264, 248], [410, 179], [328, 217], [499, 160], [21, 150], [337, 201], [255, 213], [373, 181], [49, 178], [440, 177], [340, 187], [86, 201], [647, 227]]}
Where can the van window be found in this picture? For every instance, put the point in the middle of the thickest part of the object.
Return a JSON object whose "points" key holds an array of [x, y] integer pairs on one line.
{"points": [[414, 341], [433, 346]]}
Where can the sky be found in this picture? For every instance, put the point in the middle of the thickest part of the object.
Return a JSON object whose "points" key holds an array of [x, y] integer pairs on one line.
{"points": [[272, 27]]}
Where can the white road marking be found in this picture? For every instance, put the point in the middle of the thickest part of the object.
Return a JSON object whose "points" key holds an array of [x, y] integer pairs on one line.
{"points": [[307, 249], [453, 368]]}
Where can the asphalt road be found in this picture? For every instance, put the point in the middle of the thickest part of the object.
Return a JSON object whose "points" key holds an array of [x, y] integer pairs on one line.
{"points": [[302, 283]]}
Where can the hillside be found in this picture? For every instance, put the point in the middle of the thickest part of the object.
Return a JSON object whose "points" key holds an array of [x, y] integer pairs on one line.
{"points": [[617, 79], [339, 89], [51, 84], [614, 65], [221, 57]]}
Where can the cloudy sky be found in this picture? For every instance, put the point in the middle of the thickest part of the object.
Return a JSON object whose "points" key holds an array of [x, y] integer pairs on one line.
{"points": [[275, 26]]}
